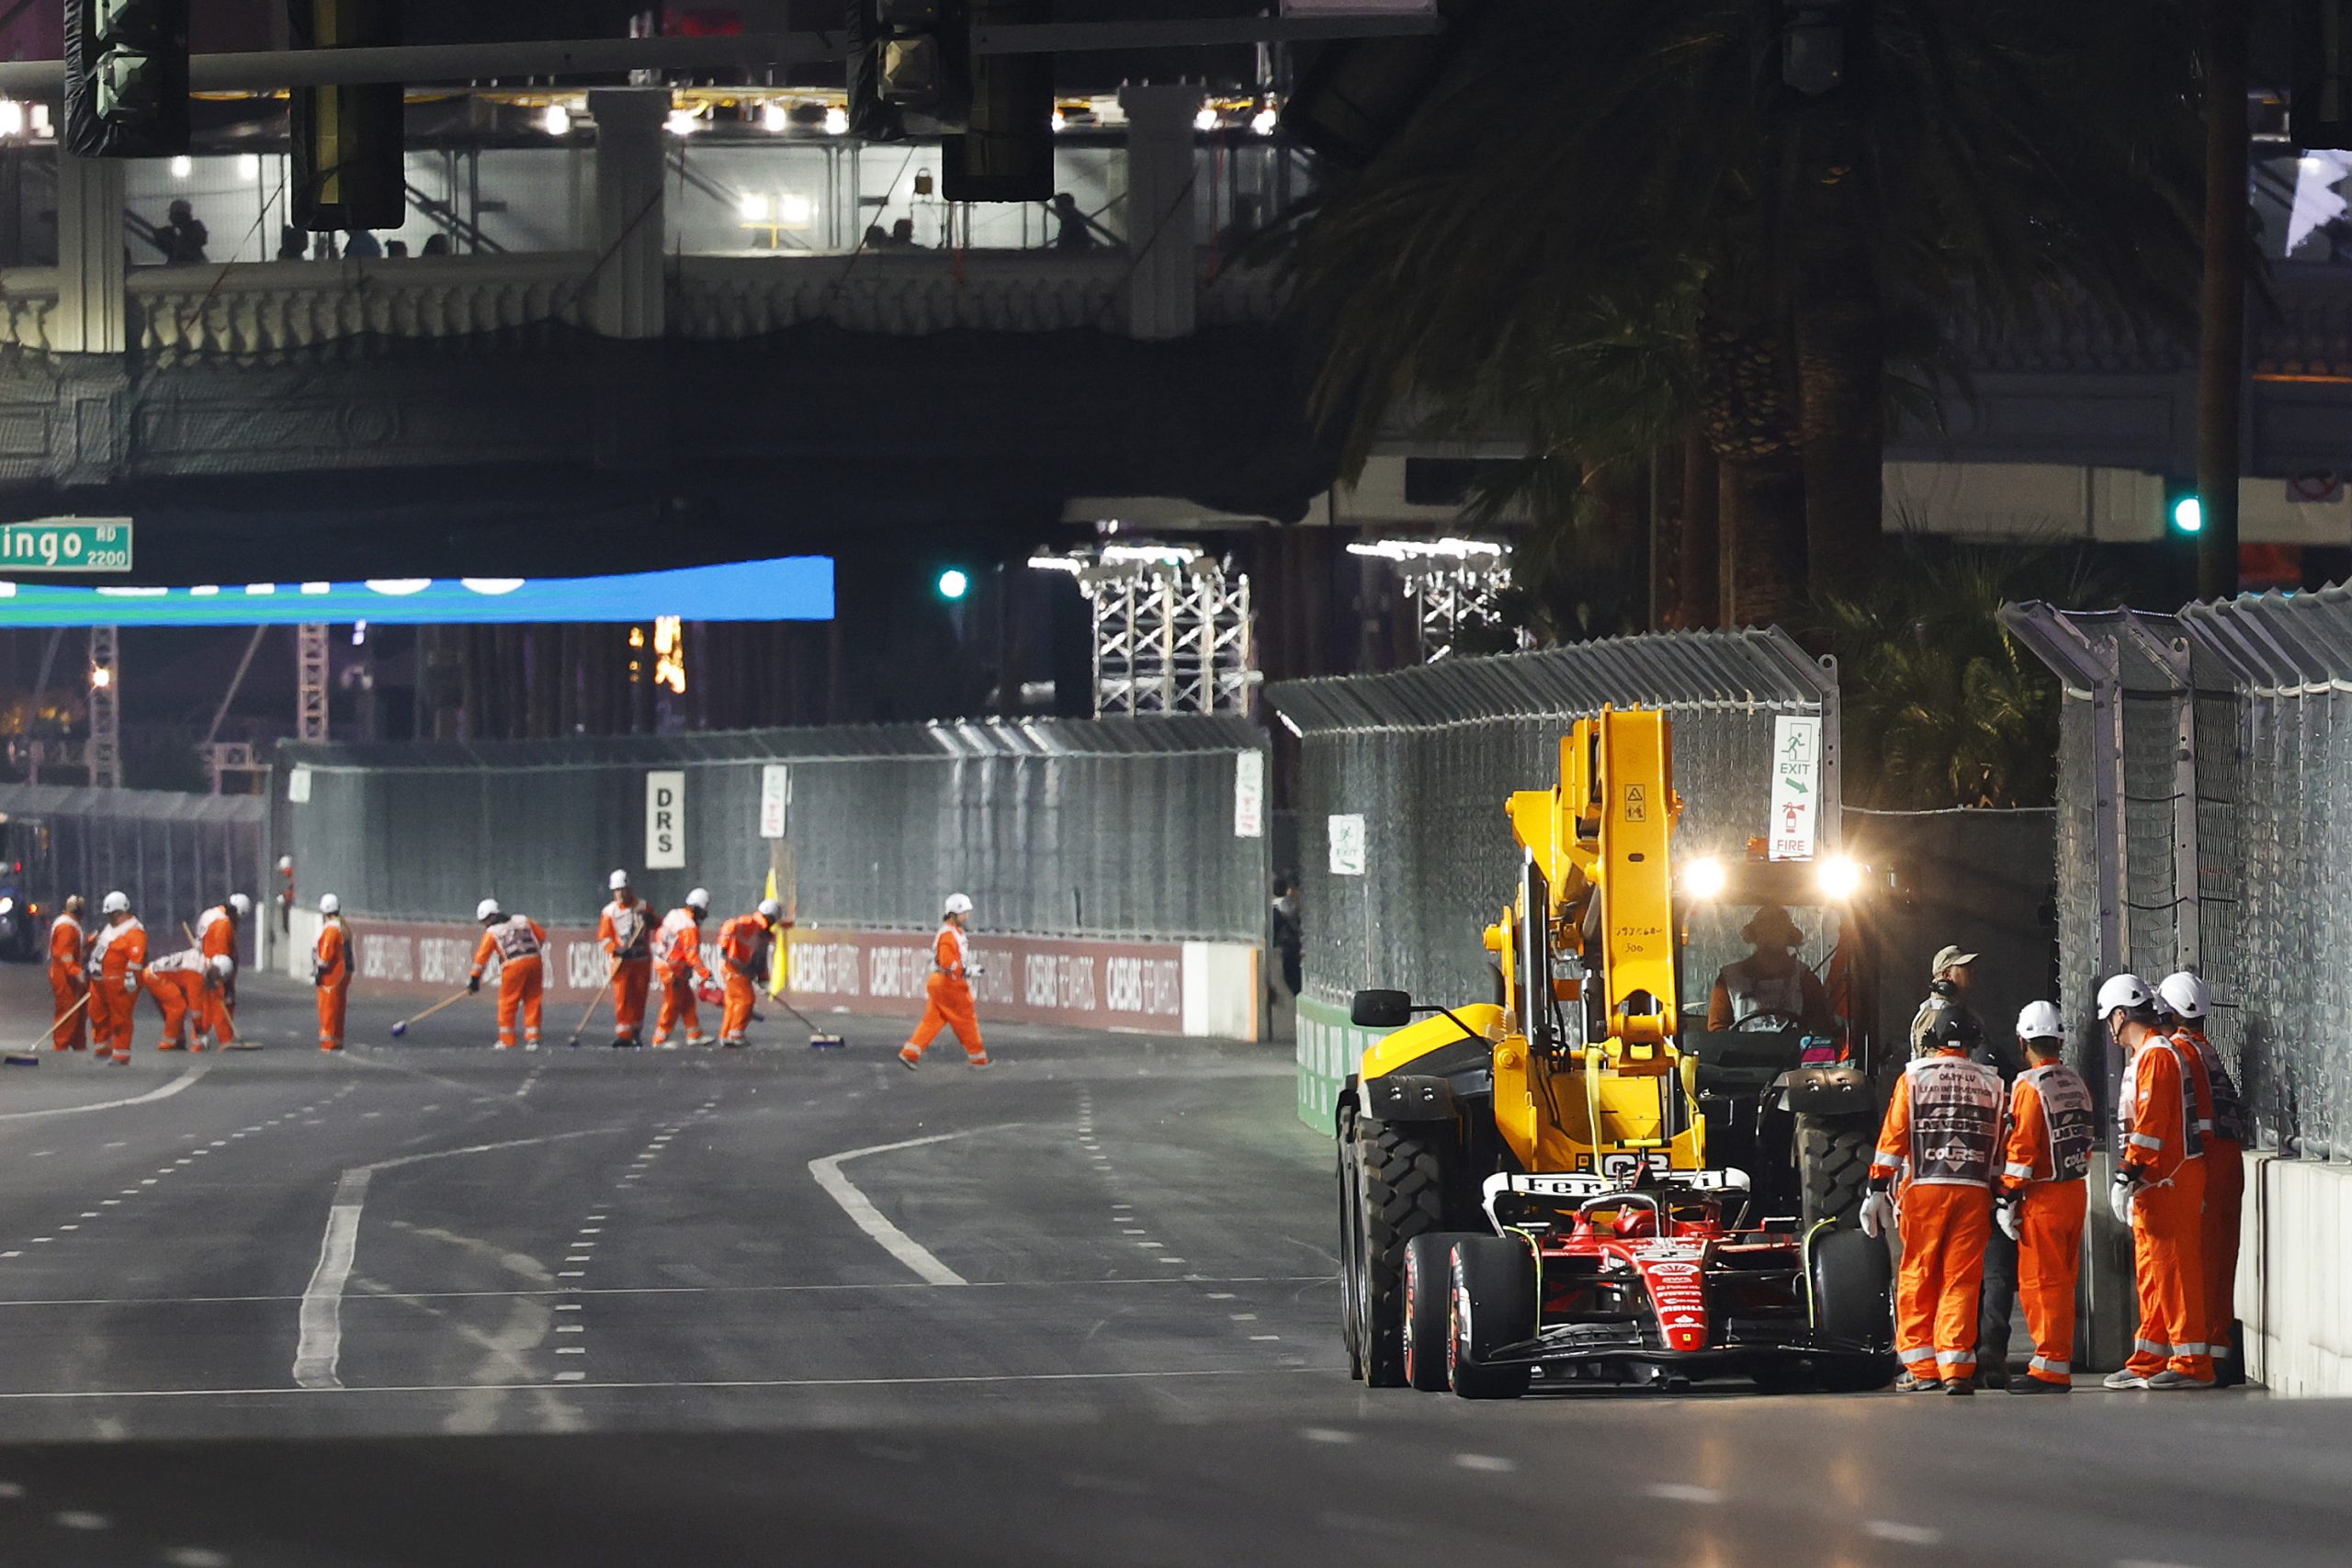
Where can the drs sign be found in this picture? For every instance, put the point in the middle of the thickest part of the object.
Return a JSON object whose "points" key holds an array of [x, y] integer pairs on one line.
{"points": [[665, 822]]}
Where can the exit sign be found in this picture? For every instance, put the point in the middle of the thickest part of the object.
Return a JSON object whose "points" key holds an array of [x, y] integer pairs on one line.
{"points": [[66, 544]]}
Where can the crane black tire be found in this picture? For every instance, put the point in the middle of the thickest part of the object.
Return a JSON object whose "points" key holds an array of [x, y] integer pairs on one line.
{"points": [[1493, 1306], [1351, 1238], [1834, 1165], [1401, 1193]]}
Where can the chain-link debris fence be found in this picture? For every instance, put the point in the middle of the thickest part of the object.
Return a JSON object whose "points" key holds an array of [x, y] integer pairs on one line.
{"points": [[2205, 823], [174, 854], [1113, 828]]}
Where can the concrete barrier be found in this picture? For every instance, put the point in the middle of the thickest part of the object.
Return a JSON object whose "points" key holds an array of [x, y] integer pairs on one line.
{"points": [[1192, 988], [2290, 1288]]}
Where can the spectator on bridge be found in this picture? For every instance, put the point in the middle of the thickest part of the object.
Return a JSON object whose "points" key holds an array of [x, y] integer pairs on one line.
{"points": [[435, 245], [293, 245], [2051, 1129], [950, 990], [69, 985], [180, 236], [1071, 232], [625, 931], [744, 949], [361, 245], [902, 235], [677, 958], [396, 250], [331, 971], [1289, 935], [117, 957], [516, 942]]}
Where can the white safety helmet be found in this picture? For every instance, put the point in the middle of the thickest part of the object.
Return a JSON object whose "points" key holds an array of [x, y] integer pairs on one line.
{"points": [[771, 911], [116, 903], [329, 905], [286, 863], [2040, 1021], [486, 910], [2126, 991], [699, 899], [2185, 993], [240, 903], [618, 881], [958, 905], [224, 965]]}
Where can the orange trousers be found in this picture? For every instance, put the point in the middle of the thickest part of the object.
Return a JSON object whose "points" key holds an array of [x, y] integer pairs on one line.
{"points": [[949, 1007], [2168, 1257], [334, 1002], [736, 1016], [180, 996], [220, 1020], [678, 1008], [2050, 1255], [1944, 1229], [521, 988], [2224, 1197], [112, 1012], [631, 978], [66, 986]]}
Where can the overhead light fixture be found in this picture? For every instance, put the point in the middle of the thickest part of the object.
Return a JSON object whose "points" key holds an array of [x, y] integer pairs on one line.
{"points": [[12, 118], [1429, 550], [1265, 119], [249, 167], [795, 210], [101, 676], [774, 117], [1705, 878], [1069, 564], [183, 166], [1839, 876], [683, 122], [1205, 120], [555, 121], [1149, 555], [753, 207], [837, 121], [1061, 120]]}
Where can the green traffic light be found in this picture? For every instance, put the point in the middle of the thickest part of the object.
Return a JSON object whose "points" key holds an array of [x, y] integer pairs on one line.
{"points": [[2188, 515], [953, 584]]}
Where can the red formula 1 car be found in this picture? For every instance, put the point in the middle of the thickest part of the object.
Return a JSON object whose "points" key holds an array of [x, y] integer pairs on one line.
{"points": [[1661, 1281]]}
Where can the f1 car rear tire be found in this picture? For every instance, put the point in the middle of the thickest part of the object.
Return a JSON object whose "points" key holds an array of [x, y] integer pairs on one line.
{"points": [[1401, 1193], [1834, 1163], [1853, 1301], [1429, 1307], [1493, 1306]]}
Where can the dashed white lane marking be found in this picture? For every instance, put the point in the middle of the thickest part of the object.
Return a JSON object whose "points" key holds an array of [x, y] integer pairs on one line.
{"points": [[867, 1218], [320, 1345], [1326, 1435], [1243, 1316], [11, 1490], [572, 1377], [1492, 1464], [1902, 1534], [196, 1557], [76, 1520], [166, 1092], [1681, 1492]]}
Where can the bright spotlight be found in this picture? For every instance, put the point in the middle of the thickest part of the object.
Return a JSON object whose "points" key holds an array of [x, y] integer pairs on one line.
{"points": [[837, 121], [555, 121], [753, 207], [1265, 119], [101, 677], [1839, 877], [953, 584], [683, 122], [1205, 120], [248, 166], [1705, 878], [183, 166], [774, 117]]}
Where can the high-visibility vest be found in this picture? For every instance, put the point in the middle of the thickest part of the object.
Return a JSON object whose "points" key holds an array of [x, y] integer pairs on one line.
{"points": [[2068, 1126], [1955, 1121]]}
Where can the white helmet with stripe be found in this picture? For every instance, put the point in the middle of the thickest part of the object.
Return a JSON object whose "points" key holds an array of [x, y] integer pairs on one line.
{"points": [[2186, 995], [116, 903], [2040, 1021], [329, 905], [486, 910]]}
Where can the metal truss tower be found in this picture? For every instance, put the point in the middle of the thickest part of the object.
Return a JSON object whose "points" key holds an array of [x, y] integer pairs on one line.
{"points": [[1171, 631], [1452, 583], [104, 753], [310, 683]]}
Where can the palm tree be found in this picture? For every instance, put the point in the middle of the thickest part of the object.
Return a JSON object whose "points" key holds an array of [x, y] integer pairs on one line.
{"points": [[1609, 224]]}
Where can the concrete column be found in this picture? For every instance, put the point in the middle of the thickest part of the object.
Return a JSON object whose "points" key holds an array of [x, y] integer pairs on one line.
{"points": [[1163, 284], [91, 317], [630, 296]]}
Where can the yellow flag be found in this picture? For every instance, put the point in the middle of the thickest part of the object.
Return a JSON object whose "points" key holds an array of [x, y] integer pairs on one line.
{"points": [[777, 972]]}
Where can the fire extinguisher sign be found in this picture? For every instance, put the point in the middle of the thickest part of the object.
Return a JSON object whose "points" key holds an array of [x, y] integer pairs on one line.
{"points": [[1797, 785]]}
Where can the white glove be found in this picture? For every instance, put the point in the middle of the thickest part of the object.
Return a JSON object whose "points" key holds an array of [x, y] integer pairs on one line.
{"points": [[1878, 1212], [2120, 1195], [2005, 1216], [977, 969], [131, 982]]}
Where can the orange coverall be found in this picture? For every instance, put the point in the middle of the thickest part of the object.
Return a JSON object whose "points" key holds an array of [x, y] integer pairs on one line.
{"points": [[216, 933], [2050, 1134], [331, 971], [116, 955], [68, 953], [2224, 1188], [177, 982], [677, 955], [948, 1002], [2161, 1144], [1942, 1128], [744, 949], [625, 930], [516, 943]]}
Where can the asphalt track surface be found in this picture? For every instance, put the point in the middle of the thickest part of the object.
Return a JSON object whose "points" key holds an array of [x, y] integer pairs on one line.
{"points": [[434, 1303]]}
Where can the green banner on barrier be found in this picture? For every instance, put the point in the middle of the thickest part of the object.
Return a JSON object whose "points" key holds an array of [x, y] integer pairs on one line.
{"points": [[1329, 1049]]}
